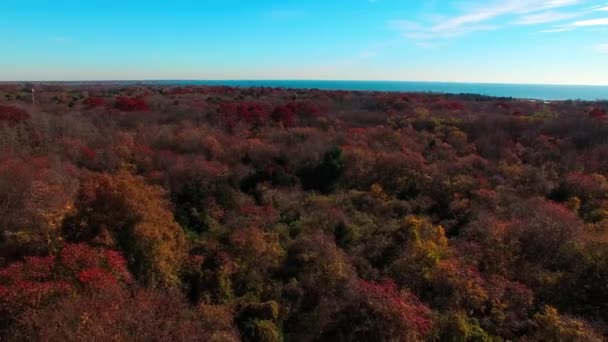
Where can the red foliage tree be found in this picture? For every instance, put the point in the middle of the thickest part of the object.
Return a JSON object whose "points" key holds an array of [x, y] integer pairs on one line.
{"points": [[88, 153], [586, 186], [307, 109], [597, 113], [94, 101], [381, 312], [285, 114], [453, 105], [13, 114], [35, 282], [131, 104], [251, 112]]}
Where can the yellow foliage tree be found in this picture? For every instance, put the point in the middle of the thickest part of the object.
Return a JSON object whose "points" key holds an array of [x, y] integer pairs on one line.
{"points": [[123, 210], [549, 325]]}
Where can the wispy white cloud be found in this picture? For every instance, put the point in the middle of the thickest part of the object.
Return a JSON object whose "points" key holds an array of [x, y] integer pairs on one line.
{"points": [[590, 22], [603, 48], [557, 29], [546, 17], [590, 25], [490, 16], [413, 30], [502, 8], [600, 8]]}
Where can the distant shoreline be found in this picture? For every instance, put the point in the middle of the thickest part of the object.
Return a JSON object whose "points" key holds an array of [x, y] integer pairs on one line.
{"points": [[542, 92]]}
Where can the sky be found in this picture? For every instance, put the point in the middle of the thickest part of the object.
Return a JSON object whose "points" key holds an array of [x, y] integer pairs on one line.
{"points": [[493, 41]]}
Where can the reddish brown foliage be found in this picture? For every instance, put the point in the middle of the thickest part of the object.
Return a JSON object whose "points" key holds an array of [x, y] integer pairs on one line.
{"points": [[120, 315], [130, 104], [598, 113], [453, 105], [250, 112], [37, 281], [399, 314], [288, 114], [285, 115], [88, 152], [94, 101], [13, 114]]}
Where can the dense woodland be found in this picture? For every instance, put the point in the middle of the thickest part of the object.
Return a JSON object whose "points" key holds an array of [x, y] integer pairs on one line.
{"points": [[145, 213]]}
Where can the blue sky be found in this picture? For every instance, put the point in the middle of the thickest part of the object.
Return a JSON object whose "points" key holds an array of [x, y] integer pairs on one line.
{"points": [[511, 41]]}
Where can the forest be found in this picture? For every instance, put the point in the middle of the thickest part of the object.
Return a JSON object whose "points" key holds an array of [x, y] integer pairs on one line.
{"points": [[210, 213]]}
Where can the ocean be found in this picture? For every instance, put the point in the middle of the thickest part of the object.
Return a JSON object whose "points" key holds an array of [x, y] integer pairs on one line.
{"points": [[544, 92], [523, 91]]}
